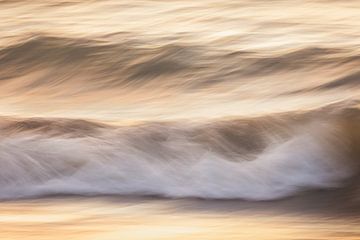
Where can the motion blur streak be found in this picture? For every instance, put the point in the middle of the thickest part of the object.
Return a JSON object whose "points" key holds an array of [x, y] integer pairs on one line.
{"points": [[151, 60], [255, 159], [245, 108]]}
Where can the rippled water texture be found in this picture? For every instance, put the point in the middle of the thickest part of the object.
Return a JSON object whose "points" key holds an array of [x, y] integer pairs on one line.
{"points": [[180, 119], [141, 60]]}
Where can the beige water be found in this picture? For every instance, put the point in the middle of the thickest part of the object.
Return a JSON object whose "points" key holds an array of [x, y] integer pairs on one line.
{"points": [[162, 219], [149, 60], [226, 111]]}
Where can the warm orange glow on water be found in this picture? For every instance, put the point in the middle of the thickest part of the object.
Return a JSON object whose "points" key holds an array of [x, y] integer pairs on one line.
{"points": [[111, 219], [232, 100], [151, 60]]}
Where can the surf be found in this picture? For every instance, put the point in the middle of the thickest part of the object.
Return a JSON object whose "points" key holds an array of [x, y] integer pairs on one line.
{"points": [[260, 158]]}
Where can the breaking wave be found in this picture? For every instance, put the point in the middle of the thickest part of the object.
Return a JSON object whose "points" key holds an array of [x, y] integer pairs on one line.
{"points": [[261, 158]]}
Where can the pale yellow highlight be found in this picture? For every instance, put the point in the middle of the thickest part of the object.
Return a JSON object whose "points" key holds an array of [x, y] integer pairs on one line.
{"points": [[99, 219]]}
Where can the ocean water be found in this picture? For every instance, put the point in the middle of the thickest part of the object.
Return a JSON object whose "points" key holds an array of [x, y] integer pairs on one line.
{"points": [[180, 119]]}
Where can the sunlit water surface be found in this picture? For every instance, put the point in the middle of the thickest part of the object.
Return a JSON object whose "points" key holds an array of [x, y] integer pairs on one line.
{"points": [[262, 99]]}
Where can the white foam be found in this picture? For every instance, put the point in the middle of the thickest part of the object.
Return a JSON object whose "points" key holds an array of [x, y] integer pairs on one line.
{"points": [[37, 165]]}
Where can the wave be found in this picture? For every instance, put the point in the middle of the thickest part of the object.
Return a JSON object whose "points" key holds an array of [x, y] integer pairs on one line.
{"points": [[349, 81], [129, 63], [105, 65], [261, 158]]}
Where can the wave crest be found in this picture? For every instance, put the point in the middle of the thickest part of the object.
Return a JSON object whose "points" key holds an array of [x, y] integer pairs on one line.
{"points": [[256, 159], [132, 64]]}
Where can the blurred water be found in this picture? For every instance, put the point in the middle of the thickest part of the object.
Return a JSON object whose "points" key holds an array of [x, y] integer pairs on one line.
{"points": [[109, 218], [150, 60], [255, 100]]}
